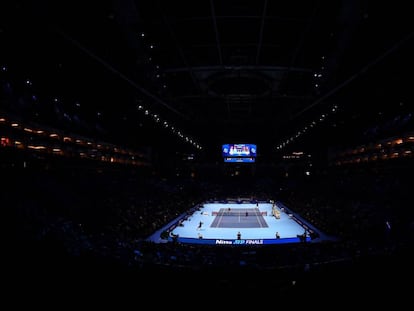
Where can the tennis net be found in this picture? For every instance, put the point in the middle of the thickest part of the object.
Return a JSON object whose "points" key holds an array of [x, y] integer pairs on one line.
{"points": [[245, 212]]}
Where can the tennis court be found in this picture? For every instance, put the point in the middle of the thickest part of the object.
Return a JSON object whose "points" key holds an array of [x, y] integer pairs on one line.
{"points": [[240, 223], [239, 218]]}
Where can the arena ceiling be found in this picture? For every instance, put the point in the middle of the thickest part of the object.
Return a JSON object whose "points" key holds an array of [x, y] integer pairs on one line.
{"points": [[216, 71]]}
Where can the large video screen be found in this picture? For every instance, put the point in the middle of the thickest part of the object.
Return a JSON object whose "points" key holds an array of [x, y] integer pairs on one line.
{"points": [[239, 150]]}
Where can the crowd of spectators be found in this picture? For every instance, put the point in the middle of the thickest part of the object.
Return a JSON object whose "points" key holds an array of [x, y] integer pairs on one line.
{"points": [[78, 216]]}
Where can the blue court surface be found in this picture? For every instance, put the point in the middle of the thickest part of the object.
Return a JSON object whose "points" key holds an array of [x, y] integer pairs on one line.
{"points": [[239, 223]]}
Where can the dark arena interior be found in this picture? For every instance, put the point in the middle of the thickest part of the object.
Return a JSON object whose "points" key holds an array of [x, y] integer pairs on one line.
{"points": [[114, 115]]}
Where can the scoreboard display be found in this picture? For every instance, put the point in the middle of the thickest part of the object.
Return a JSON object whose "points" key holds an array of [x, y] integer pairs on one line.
{"points": [[239, 153], [239, 160]]}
